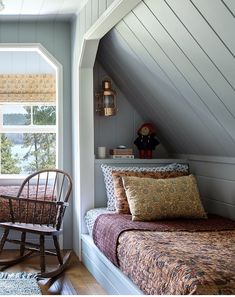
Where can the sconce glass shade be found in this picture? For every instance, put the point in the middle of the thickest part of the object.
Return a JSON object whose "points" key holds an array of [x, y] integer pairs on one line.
{"points": [[106, 100]]}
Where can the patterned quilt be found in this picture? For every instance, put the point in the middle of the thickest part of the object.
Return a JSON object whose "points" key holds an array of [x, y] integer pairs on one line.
{"points": [[13, 191], [173, 260]]}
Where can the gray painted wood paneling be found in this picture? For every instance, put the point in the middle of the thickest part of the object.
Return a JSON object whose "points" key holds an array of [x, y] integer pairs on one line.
{"points": [[230, 5], [95, 10], [88, 10], [220, 190], [23, 62], [216, 88], [206, 37], [82, 26], [55, 37], [132, 87], [184, 66], [213, 170], [224, 26], [102, 6], [157, 100], [140, 49], [153, 67], [109, 2], [219, 208], [122, 128], [216, 182], [186, 54], [174, 61]]}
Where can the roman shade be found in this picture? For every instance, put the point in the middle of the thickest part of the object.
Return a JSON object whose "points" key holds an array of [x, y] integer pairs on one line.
{"points": [[29, 88]]}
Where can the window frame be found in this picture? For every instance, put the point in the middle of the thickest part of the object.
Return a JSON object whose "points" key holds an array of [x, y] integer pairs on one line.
{"points": [[57, 66], [31, 128]]}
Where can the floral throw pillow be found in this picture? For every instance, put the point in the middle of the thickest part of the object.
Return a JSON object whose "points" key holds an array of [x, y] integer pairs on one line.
{"points": [[156, 199], [122, 205], [108, 180]]}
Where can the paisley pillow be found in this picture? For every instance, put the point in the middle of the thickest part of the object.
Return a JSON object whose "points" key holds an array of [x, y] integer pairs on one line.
{"points": [[156, 199], [122, 205]]}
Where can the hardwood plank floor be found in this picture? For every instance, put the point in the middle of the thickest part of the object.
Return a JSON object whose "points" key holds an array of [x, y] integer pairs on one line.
{"points": [[76, 280]]}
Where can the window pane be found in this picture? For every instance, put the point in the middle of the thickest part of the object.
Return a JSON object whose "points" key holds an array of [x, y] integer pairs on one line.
{"points": [[10, 162], [44, 115], [16, 115], [24, 153]]}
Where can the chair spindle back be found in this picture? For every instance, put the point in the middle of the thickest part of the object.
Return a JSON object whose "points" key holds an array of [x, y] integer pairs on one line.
{"points": [[44, 196]]}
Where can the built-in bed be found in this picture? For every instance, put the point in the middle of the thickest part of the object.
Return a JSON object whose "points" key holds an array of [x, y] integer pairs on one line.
{"points": [[107, 274], [187, 257]]}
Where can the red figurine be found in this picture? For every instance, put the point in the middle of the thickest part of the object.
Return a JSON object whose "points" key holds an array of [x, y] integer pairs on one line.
{"points": [[146, 141]]}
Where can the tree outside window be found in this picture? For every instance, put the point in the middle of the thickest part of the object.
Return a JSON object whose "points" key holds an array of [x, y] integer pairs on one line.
{"points": [[29, 141]]}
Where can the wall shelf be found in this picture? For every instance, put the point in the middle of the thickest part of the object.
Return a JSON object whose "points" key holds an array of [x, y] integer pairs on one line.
{"points": [[139, 161]]}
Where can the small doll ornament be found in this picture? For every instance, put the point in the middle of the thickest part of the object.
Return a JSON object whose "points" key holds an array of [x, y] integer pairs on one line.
{"points": [[146, 141]]}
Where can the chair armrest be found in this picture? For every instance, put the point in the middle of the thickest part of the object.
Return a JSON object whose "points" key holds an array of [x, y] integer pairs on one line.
{"points": [[7, 197], [28, 199], [62, 203], [34, 200]]}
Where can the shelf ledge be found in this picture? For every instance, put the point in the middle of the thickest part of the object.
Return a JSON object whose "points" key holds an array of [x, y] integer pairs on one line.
{"points": [[139, 161]]}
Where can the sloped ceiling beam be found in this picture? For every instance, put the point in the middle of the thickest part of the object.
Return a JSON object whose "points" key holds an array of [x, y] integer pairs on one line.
{"points": [[116, 11]]}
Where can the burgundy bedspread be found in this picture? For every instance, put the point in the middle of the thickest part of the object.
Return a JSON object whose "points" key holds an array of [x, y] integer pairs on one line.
{"points": [[179, 263], [108, 228]]}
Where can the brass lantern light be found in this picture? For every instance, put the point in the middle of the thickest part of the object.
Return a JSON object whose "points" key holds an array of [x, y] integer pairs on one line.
{"points": [[106, 104]]}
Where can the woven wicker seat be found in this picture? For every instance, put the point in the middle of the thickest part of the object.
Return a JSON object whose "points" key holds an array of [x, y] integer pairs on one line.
{"points": [[38, 208]]}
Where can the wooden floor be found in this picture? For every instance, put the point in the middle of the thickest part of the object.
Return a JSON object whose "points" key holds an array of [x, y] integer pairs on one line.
{"points": [[76, 280]]}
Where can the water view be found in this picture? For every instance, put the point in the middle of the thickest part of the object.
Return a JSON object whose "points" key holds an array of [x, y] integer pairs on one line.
{"points": [[19, 152]]}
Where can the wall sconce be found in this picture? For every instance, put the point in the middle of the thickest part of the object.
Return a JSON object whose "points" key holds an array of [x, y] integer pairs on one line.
{"points": [[106, 104]]}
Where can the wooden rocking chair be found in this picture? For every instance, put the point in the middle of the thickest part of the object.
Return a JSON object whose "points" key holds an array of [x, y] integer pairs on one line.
{"points": [[38, 208]]}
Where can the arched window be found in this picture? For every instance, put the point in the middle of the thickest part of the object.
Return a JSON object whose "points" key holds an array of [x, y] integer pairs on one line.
{"points": [[28, 114]]}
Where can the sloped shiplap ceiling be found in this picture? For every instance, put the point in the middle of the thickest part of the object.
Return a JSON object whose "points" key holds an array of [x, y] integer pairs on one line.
{"points": [[174, 61]]}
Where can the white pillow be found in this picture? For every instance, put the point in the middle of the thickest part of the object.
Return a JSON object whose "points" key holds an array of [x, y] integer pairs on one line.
{"points": [[108, 180]]}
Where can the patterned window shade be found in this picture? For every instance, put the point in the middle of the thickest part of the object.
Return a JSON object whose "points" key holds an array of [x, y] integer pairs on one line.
{"points": [[27, 88]]}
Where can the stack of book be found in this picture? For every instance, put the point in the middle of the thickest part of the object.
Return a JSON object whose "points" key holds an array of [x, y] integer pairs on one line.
{"points": [[119, 153]]}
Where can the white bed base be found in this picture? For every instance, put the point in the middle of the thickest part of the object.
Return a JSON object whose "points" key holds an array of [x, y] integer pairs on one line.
{"points": [[108, 275]]}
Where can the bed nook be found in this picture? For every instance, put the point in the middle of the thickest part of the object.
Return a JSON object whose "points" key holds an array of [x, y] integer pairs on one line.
{"points": [[158, 226], [150, 233]]}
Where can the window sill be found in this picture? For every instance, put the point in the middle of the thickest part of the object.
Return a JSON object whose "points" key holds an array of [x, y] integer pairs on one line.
{"points": [[12, 179]]}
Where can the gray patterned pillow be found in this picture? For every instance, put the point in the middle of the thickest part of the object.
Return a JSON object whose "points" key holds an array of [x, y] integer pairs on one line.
{"points": [[108, 180]]}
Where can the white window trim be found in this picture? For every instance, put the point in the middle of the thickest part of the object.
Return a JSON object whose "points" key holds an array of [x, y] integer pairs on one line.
{"points": [[28, 129], [37, 47]]}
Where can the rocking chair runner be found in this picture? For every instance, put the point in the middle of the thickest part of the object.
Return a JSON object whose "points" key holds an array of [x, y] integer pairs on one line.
{"points": [[38, 208]]}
